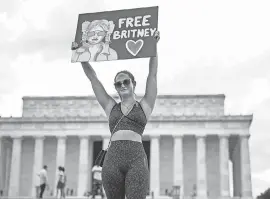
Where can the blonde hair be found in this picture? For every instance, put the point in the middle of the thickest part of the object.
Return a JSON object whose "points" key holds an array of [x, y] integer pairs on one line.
{"points": [[106, 25]]}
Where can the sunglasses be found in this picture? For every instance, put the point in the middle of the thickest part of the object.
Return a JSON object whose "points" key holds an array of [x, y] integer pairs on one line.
{"points": [[118, 84], [98, 33]]}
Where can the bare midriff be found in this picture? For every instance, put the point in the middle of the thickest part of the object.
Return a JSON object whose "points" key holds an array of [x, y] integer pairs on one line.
{"points": [[126, 135]]}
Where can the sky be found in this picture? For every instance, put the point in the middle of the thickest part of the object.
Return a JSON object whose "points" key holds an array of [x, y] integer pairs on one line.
{"points": [[206, 47]]}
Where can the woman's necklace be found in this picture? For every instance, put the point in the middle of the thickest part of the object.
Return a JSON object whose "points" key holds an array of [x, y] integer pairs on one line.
{"points": [[129, 107]]}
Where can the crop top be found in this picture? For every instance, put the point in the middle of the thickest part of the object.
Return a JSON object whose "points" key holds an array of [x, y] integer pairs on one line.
{"points": [[135, 121]]}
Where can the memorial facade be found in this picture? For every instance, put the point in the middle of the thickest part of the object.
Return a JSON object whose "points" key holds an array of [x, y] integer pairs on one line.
{"points": [[189, 142]]}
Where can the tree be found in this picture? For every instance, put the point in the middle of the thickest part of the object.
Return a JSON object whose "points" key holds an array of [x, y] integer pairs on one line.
{"points": [[265, 194]]}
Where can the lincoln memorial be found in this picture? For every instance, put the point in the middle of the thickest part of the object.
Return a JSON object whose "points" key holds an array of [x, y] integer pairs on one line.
{"points": [[189, 141]]}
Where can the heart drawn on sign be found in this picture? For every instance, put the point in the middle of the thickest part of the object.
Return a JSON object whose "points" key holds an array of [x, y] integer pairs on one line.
{"points": [[134, 47]]}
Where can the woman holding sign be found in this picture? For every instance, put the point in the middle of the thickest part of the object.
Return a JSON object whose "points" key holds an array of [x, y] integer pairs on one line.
{"points": [[125, 168]]}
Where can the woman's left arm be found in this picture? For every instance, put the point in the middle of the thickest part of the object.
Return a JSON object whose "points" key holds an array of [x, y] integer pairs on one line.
{"points": [[151, 83]]}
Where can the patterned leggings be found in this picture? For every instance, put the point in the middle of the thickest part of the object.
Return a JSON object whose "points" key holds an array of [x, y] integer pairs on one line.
{"points": [[125, 171]]}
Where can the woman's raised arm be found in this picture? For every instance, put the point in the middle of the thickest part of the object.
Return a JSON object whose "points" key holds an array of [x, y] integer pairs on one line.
{"points": [[105, 100], [151, 83]]}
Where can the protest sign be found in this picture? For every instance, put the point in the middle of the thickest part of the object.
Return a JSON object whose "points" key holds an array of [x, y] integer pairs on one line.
{"points": [[116, 35]]}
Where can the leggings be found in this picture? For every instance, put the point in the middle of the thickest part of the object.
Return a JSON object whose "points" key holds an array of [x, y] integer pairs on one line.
{"points": [[125, 171]]}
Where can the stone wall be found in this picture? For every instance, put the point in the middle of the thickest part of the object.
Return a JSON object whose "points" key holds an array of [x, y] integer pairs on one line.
{"points": [[202, 105]]}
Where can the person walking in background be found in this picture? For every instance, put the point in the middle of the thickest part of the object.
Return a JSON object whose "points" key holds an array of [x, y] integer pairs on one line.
{"points": [[37, 185], [64, 183], [43, 180], [61, 182], [97, 181], [58, 186]]}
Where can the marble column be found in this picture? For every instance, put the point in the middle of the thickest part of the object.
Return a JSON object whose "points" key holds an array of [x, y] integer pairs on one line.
{"points": [[245, 167], [155, 165], [7, 170], [201, 167], [83, 166], [224, 166], [38, 160], [1, 164], [90, 162], [178, 163], [60, 156], [14, 183]]}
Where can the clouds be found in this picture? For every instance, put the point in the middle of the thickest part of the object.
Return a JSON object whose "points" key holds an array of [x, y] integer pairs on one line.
{"points": [[259, 150], [43, 26], [32, 27], [11, 7]]}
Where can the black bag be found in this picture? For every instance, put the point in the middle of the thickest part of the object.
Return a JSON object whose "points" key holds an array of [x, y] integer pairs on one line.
{"points": [[101, 155], [100, 158]]}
